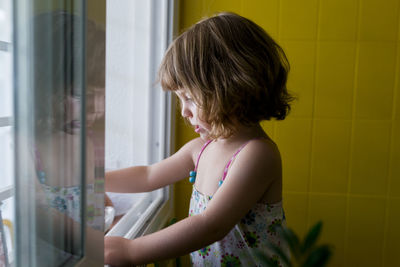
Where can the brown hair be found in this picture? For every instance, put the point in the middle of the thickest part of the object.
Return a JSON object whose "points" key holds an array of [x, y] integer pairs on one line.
{"points": [[234, 70]]}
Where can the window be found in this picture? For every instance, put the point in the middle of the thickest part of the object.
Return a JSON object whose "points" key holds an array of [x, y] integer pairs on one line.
{"points": [[59, 83], [138, 113], [6, 131], [54, 79]]}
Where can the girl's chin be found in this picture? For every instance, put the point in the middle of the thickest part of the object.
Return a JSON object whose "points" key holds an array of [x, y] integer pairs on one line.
{"points": [[202, 132], [204, 135]]}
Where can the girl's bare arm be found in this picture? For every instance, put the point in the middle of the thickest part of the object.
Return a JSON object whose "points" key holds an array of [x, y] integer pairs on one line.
{"points": [[148, 178]]}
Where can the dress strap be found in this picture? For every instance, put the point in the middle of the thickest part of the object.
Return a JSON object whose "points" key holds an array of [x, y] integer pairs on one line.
{"points": [[234, 156], [201, 152], [38, 165]]}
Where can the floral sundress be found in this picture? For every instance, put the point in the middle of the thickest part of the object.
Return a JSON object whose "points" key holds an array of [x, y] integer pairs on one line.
{"points": [[250, 236]]}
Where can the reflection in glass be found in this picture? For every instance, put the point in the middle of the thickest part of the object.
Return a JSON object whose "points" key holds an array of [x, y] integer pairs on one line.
{"points": [[57, 136], [59, 131]]}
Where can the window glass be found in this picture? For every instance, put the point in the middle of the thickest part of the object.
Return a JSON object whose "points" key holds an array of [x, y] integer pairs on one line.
{"points": [[50, 134], [6, 20], [137, 110], [59, 58]]}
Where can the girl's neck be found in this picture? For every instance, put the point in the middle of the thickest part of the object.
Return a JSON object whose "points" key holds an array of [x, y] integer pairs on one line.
{"points": [[244, 133]]}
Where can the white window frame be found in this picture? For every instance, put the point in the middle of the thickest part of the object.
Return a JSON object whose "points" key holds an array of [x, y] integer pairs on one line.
{"points": [[147, 128]]}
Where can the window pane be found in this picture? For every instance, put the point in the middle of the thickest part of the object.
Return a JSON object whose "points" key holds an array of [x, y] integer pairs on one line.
{"points": [[5, 84], [6, 158], [6, 134], [5, 20], [137, 118], [49, 127]]}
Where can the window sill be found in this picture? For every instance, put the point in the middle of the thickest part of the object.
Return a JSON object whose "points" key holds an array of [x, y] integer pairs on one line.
{"points": [[148, 214]]}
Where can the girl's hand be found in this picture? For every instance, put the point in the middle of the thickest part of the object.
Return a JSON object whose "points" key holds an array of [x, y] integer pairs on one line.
{"points": [[116, 251], [107, 201]]}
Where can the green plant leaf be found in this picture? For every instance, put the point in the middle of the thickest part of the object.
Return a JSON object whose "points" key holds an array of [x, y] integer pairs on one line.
{"points": [[311, 237], [278, 250], [318, 257], [291, 239], [266, 260]]}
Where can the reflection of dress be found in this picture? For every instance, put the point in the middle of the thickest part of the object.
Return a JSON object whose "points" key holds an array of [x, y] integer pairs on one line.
{"points": [[67, 199]]}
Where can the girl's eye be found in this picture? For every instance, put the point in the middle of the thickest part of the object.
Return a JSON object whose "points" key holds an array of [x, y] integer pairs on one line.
{"points": [[187, 98]]}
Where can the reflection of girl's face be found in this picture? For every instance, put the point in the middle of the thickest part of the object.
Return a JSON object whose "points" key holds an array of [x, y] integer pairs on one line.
{"points": [[72, 112], [94, 109], [94, 105]]}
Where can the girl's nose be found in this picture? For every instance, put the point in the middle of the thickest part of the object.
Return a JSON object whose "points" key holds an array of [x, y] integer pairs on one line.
{"points": [[186, 113]]}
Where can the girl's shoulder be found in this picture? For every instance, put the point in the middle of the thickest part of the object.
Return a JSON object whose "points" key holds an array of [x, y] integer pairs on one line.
{"points": [[263, 153], [263, 147], [194, 144], [193, 147]]}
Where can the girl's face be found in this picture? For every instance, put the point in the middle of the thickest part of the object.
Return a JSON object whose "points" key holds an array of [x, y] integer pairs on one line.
{"points": [[72, 114], [191, 112], [95, 104]]}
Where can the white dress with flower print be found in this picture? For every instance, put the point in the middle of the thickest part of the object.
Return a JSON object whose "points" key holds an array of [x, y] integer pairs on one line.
{"points": [[242, 244]]}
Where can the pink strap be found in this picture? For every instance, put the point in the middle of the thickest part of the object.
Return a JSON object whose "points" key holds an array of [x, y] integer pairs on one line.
{"points": [[38, 161], [201, 152], [233, 157], [229, 162]]}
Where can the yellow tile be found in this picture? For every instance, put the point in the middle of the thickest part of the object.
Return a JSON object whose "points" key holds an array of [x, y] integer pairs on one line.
{"points": [[398, 31], [330, 156], [369, 174], [190, 13], [295, 206], [397, 99], [379, 20], [365, 232], [392, 244], [212, 7], [335, 80], [182, 195], [298, 19], [394, 189], [301, 56], [375, 77], [293, 138], [338, 20], [264, 13], [269, 128], [370, 161], [331, 210]]}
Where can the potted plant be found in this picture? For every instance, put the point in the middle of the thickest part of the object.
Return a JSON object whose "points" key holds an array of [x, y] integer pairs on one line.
{"points": [[303, 253]]}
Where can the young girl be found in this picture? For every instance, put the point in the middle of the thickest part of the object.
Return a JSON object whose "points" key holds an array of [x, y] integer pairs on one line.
{"points": [[229, 75]]}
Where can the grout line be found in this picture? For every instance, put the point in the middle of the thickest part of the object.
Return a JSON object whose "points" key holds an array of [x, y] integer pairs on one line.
{"points": [[352, 131], [279, 23], [312, 135], [278, 36], [330, 194], [392, 140]]}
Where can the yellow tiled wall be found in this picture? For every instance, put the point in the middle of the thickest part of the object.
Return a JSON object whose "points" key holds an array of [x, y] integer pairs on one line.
{"points": [[341, 143]]}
